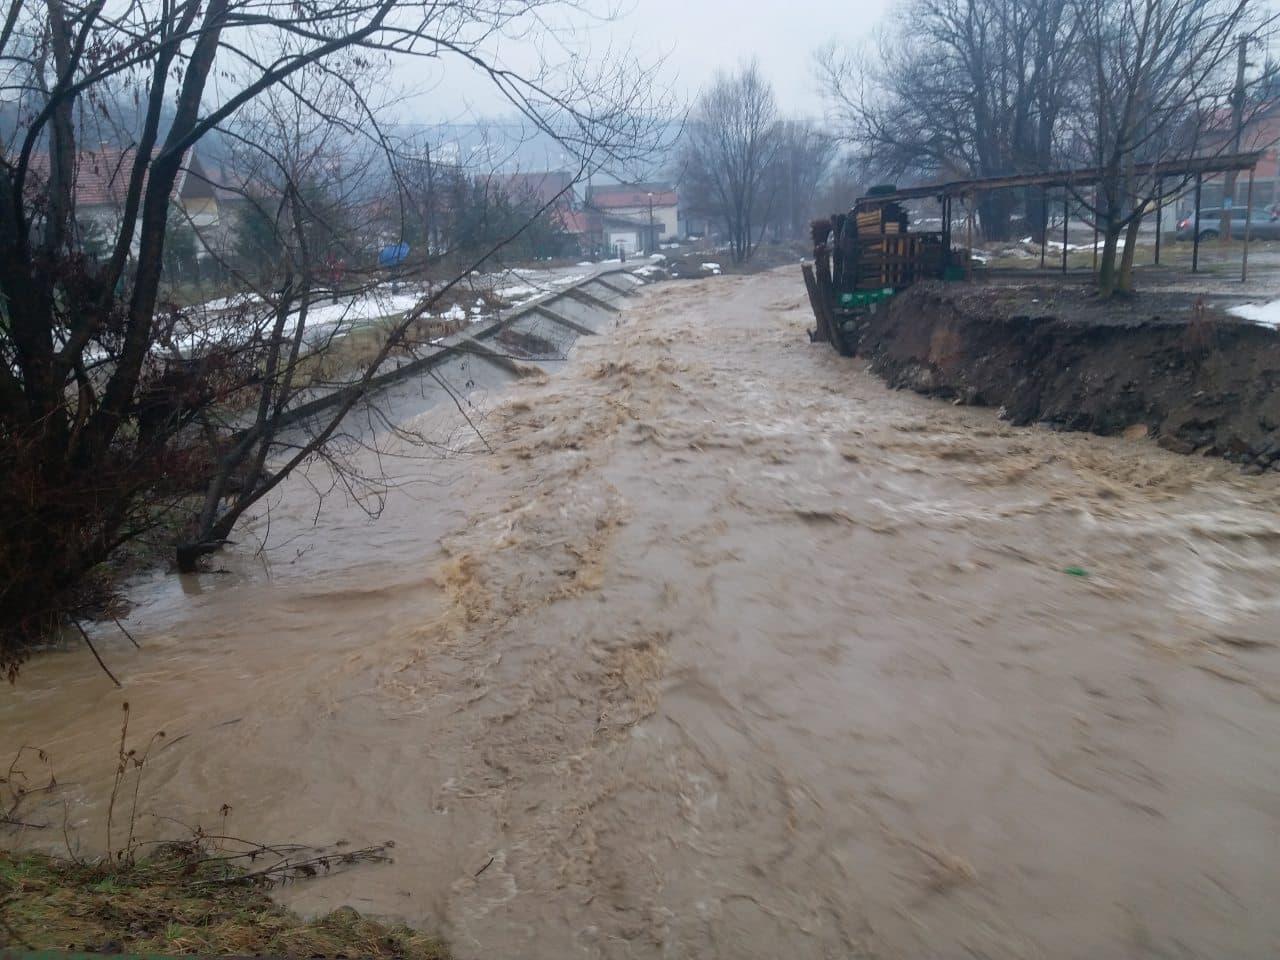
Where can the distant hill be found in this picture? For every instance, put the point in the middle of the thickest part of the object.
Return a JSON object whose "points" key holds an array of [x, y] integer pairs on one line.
{"points": [[513, 146]]}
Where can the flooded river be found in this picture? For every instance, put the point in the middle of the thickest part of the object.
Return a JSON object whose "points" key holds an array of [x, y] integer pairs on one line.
{"points": [[728, 651]]}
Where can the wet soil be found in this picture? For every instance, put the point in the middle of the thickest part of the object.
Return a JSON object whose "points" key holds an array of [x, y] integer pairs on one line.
{"points": [[729, 651], [1161, 363]]}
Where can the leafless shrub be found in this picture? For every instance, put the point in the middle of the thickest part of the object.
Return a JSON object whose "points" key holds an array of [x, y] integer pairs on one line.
{"points": [[108, 423]]}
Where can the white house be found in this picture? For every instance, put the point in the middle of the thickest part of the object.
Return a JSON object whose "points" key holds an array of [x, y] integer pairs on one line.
{"points": [[102, 178], [630, 236], [643, 203]]}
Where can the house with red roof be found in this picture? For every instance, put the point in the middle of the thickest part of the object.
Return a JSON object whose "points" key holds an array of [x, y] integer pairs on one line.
{"points": [[102, 181], [641, 205], [626, 218], [1261, 134], [602, 234]]}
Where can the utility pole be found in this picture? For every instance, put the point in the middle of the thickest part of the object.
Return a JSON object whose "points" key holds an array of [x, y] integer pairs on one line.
{"points": [[1237, 123], [794, 223], [652, 238]]}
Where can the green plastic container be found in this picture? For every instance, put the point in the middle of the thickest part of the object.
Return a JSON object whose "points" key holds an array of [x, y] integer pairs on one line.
{"points": [[865, 298]]}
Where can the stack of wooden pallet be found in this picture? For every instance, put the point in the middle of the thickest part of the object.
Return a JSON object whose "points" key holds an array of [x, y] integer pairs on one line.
{"points": [[880, 248], [871, 248], [896, 260], [886, 218]]}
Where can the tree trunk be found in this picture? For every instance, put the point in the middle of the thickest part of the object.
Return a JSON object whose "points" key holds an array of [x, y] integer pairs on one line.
{"points": [[994, 210], [1037, 222], [1125, 281], [1107, 272]]}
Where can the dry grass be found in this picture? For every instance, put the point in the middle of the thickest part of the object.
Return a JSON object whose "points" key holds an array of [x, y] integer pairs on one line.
{"points": [[180, 900], [205, 895], [351, 353]]}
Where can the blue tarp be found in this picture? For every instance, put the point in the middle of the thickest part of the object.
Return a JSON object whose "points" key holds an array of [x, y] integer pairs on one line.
{"points": [[393, 255]]}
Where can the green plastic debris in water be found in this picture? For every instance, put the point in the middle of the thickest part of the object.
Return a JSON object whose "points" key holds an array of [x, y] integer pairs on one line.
{"points": [[1076, 571]]}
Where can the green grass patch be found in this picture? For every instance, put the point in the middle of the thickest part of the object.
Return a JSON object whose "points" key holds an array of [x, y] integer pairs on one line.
{"points": [[182, 899]]}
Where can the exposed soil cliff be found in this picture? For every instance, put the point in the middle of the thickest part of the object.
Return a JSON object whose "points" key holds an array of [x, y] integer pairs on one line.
{"points": [[1195, 378]]}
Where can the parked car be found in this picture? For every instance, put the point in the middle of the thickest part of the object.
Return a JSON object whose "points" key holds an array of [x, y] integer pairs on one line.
{"points": [[1263, 225]]}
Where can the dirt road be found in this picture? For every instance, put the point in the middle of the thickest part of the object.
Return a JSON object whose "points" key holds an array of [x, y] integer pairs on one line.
{"points": [[729, 651]]}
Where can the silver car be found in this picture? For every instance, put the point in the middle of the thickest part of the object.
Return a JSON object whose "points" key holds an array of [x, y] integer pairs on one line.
{"points": [[1263, 225]]}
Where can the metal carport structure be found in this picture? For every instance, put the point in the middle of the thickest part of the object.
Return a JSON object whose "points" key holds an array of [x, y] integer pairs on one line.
{"points": [[1187, 169]]}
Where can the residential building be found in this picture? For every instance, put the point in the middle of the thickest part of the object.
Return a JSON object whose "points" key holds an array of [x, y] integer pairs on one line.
{"points": [[102, 181], [605, 235], [1262, 133], [628, 236], [640, 203]]}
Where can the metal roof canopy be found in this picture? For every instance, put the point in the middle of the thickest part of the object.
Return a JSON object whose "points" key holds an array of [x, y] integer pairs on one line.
{"points": [[1083, 177]]}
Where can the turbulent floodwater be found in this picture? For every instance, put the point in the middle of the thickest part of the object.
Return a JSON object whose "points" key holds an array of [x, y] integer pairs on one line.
{"points": [[729, 651]]}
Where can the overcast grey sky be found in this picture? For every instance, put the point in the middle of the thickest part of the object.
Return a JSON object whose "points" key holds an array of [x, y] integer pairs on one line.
{"points": [[702, 35], [696, 37]]}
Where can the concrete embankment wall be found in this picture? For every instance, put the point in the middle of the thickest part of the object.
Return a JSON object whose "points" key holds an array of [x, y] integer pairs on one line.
{"points": [[537, 334], [1208, 386]]}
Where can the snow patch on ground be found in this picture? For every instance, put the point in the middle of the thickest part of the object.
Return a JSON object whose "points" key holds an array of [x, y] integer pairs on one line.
{"points": [[227, 303], [1071, 247], [516, 290], [242, 319], [713, 267], [363, 309], [1266, 314]]}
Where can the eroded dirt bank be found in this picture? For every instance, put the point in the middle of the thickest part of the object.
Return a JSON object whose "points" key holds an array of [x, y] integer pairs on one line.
{"points": [[729, 651], [1202, 381]]}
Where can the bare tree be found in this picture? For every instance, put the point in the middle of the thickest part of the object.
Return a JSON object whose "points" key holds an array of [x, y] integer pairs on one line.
{"points": [[803, 159], [1158, 86], [963, 88], [317, 187], [302, 169], [837, 190], [96, 413], [731, 144], [425, 181]]}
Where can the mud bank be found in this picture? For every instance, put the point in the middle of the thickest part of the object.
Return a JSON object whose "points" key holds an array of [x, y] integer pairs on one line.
{"points": [[1195, 378]]}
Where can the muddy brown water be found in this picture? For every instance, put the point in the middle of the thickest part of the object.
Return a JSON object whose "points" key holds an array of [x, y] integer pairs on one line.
{"points": [[730, 651]]}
